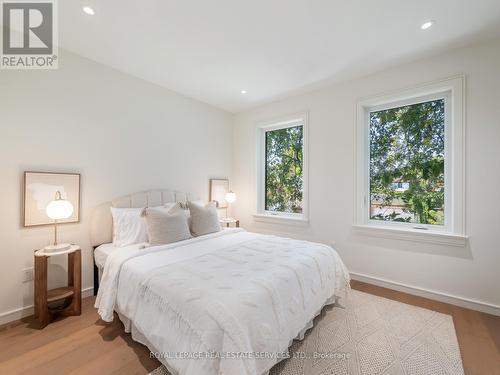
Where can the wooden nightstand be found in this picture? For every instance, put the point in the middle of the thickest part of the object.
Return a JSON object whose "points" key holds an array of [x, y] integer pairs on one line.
{"points": [[227, 222], [71, 295]]}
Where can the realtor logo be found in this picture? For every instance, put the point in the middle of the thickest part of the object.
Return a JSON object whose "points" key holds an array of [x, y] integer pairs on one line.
{"points": [[29, 34]]}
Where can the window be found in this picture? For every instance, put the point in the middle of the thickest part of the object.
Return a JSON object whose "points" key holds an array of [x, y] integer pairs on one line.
{"points": [[282, 169], [284, 161], [407, 163], [410, 160]]}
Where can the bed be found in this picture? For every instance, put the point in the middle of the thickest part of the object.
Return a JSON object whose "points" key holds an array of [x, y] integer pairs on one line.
{"points": [[229, 302]]}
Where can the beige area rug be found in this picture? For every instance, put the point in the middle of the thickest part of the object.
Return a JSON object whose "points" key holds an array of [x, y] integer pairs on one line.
{"points": [[374, 335]]}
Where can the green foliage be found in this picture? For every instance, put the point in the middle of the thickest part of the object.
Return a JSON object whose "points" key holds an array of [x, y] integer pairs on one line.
{"points": [[407, 145], [284, 160]]}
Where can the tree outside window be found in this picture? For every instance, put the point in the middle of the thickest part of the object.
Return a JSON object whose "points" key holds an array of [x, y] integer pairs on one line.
{"points": [[407, 162], [284, 170]]}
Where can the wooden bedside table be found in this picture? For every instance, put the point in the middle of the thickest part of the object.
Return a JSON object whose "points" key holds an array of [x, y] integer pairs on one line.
{"points": [[71, 295], [227, 222]]}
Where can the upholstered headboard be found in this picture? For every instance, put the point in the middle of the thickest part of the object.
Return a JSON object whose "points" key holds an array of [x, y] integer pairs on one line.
{"points": [[101, 227]]}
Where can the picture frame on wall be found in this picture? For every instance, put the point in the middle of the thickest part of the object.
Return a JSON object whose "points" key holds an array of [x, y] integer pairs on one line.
{"points": [[218, 190], [40, 189]]}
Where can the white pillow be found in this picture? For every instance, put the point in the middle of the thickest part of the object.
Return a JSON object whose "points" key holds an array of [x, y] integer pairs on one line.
{"points": [[168, 206], [166, 226], [128, 226], [204, 219]]}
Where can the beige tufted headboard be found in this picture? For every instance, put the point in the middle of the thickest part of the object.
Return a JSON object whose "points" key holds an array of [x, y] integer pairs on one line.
{"points": [[101, 227]]}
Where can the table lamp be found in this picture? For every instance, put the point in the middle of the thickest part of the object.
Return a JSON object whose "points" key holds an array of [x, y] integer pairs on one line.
{"points": [[58, 209], [230, 197]]}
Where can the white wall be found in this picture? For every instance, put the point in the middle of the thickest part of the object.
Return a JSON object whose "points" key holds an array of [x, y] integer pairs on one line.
{"points": [[470, 273], [121, 133]]}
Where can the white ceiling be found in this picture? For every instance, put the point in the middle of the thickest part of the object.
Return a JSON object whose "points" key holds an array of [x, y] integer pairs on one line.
{"points": [[212, 49]]}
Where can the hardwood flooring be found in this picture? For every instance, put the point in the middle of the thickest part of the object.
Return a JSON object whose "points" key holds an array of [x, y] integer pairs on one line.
{"points": [[86, 345]]}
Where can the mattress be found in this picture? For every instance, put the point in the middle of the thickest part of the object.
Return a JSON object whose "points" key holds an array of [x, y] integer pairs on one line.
{"points": [[102, 252]]}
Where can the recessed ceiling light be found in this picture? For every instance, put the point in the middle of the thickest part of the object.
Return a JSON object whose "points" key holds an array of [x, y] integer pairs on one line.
{"points": [[427, 25], [243, 92], [89, 11]]}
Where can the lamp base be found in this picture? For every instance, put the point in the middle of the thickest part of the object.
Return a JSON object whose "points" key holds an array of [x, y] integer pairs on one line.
{"points": [[58, 247]]}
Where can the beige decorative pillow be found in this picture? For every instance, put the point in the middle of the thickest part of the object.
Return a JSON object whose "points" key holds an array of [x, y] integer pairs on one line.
{"points": [[204, 218], [166, 225]]}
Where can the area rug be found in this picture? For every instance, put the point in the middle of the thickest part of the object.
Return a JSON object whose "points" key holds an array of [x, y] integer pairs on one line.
{"points": [[373, 335]]}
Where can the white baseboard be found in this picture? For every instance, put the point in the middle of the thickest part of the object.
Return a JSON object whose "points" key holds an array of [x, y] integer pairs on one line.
{"points": [[26, 311], [431, 294]]}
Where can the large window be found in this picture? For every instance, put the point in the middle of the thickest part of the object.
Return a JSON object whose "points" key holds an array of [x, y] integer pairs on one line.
{"points": [[410, 167], [407, 163], [284, 164], [283, 168]]}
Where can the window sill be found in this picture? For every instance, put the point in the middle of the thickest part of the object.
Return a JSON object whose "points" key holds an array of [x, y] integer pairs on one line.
{"points": [[281, 219], [416, 235]]}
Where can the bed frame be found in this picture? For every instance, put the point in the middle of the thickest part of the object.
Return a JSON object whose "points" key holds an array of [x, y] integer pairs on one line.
{"points": [[96, 274], [101, 228]]}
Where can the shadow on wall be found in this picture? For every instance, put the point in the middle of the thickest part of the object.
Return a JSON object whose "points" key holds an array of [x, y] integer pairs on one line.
{"points": [[463, 252]]}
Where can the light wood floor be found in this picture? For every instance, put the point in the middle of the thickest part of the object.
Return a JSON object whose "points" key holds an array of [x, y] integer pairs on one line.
{"points": [[86, 345]]}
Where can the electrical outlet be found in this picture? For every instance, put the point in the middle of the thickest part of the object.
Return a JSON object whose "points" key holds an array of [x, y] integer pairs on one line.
{"points": [[27, 275]]}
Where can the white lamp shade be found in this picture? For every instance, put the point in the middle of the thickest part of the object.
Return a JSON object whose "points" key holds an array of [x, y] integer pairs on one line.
{"points": [[59, 209], [230, 197]]}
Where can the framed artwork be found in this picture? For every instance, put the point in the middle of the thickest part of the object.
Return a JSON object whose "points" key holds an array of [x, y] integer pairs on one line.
{"points": [[40, 189], [218, 190]]}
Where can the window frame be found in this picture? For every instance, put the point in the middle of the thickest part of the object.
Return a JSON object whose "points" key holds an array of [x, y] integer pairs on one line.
{"points": [[452, 91], [298, 119]]}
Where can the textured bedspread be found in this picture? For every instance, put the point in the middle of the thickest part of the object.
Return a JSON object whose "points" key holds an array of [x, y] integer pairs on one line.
{"points": [[228, 303]]}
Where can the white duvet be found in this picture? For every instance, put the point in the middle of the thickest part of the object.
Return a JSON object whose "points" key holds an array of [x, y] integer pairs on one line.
{"points": [[226, 303]]}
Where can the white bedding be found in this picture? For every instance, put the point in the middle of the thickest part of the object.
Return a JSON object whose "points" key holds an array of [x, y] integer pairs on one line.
{"points": [[102, 252], [230, 292]]}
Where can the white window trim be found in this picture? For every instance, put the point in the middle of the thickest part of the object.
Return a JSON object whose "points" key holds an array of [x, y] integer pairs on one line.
{"points": [[282, 217], [453, 233]]}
